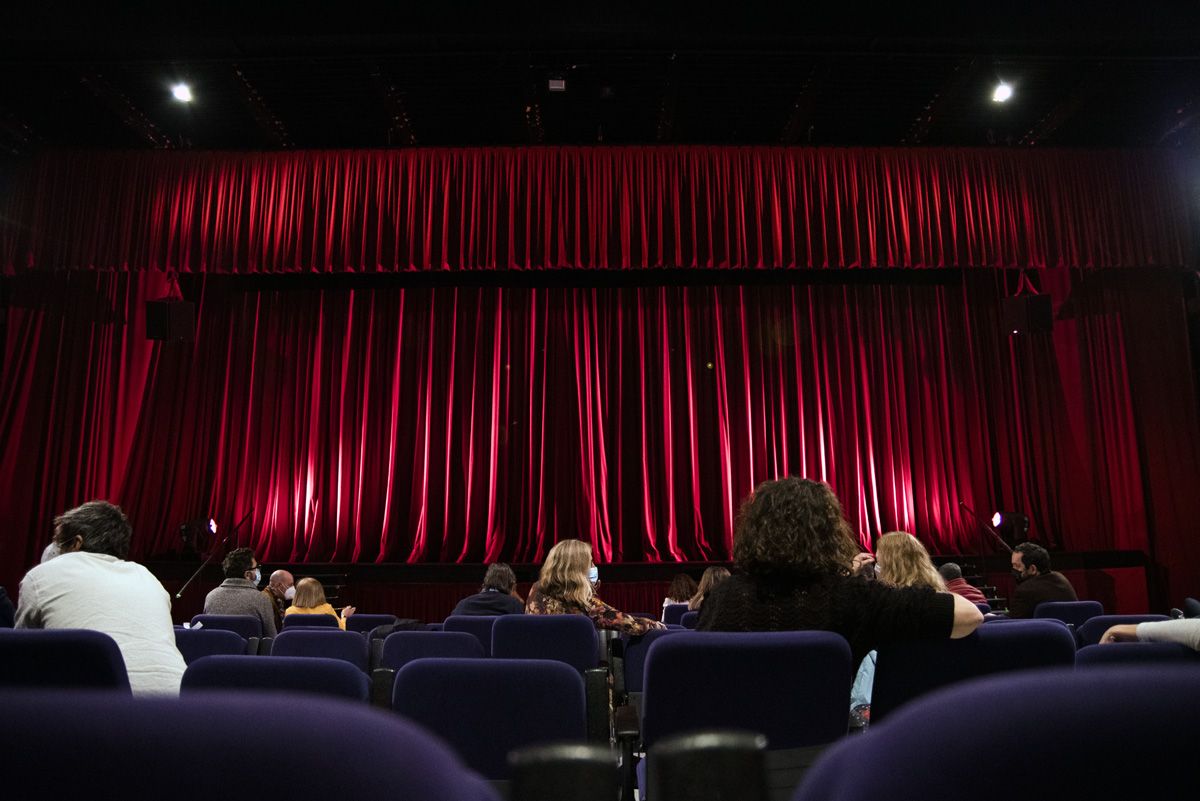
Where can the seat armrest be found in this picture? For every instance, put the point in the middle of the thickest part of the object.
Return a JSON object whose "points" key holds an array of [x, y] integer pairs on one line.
{"points": [[383, 680], [599, 720], [264, 645]]}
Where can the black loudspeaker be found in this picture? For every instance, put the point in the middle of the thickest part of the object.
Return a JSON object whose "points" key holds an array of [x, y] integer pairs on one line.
{"points": [[1027, 314], [171, 320]]}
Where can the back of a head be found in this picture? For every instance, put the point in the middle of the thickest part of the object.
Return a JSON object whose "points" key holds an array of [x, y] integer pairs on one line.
{"points": [[904, 562], [309, 593], [564, 573], [1034, 555], [793, 526], [499, 577], [950, 571], [237, 562], [682, 588], [101, 526]]}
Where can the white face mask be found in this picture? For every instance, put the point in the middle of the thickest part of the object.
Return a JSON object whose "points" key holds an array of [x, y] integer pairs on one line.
{"points": [[257, 577], [289, 593]]}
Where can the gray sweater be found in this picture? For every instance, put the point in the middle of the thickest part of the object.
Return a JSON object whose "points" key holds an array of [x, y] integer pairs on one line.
{"points": [[239, 596]]}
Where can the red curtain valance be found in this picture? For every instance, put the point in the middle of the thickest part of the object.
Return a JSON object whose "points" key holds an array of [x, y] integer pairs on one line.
{"points": [[610, 207]]}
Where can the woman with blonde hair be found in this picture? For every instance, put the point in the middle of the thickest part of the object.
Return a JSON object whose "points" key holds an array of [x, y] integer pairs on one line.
{"points": [[904, 562], [564, 587], [310, 600], [711, 578]]}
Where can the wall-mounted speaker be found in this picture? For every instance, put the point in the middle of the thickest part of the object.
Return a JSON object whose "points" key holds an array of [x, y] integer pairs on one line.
{"points": [[171, 320], [1027, 314]]}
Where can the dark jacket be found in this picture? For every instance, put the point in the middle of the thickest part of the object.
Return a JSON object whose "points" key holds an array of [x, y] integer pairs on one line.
{"points": [[1052, 586], [489, 602]]}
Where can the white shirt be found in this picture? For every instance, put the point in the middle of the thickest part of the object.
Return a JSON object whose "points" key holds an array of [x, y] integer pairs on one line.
{"points": [[124, 600], [1185, 632]]}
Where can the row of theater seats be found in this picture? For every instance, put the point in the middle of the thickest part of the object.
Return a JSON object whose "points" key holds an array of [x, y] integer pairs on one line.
{"points": [[792, 687]]}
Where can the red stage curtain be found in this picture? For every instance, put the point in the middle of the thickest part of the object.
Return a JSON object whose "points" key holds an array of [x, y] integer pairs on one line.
{"points": [[468, 424], [615, 208]]}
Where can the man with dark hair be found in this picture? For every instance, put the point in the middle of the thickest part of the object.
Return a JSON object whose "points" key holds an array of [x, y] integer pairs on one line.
{"points": [[238, 594], [951, 573], [91, 586], [496, 597], [1036, 582]]}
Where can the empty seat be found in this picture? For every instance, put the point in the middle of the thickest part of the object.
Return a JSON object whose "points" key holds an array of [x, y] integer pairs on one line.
{"points": [[636, 649], [478, 625], [567, 638], [245, 625], [485, 708], [1073, 613], [364, 623], [402, 647], [297, 620], [1103, 733], [309, 674], [690, 620], [1091, 630], [195, 643], [672, 613], [62, 658], [196, 749], [904, 671], [345, 645], [1135, 653]]}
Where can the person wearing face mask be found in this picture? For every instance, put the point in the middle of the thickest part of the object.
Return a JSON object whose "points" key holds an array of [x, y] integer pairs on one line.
{"points": [[1036, 582], [280, 591], [566, 586], [238, 594]]}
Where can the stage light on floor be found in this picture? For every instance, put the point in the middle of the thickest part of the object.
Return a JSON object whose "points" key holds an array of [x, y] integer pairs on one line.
{"points": [[182, 92], [1002, 93], [1012, 526]]}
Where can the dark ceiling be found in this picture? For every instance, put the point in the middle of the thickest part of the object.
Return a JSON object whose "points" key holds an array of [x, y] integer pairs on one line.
{"points": [[275, 76]]}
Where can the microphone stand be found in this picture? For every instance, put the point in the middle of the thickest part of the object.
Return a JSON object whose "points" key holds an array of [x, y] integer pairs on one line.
{"points": [[225, 541]]}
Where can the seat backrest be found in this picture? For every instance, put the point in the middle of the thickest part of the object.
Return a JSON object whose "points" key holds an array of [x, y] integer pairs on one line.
{"points": [[690, 620], [1135, 653], [984, 608], [792, 686], [1191, 607], [62, 658], [908, 670], [570, 639], [486, 708], [1090, 734], [364, 623], [294, 674], [1090, 631], [346, 645], [197, 746], [297, 620], [245, 625], [478, 625], [1074, 613], [672, 613], [402, 647], [636, 649], [195, 643]]}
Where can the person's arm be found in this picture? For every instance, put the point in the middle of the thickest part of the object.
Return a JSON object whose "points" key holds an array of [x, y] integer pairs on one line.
{"points": [[1184, 632], [605, 617], [266, 614], [967, 617]]}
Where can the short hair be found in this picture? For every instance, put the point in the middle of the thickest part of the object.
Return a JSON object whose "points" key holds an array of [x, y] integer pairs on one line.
{"points": [[499, 577], [1034, 555], [102, 526], [309, 594], [950, 571], [682, 588], [238, 562], [796, 527]]}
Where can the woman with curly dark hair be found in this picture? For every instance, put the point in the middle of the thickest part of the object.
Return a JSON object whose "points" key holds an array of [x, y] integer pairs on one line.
{"points": [[798, 570]]}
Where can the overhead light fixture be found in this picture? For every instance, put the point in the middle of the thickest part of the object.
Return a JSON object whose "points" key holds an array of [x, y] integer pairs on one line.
{"points": [[1002, 92], [557, 84], [182, 92]]}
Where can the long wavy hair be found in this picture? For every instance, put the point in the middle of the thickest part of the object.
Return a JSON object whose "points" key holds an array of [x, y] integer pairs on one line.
{"points": [[793, 527], [904, 562], [711, 578], [564, 574], [682, 588]]}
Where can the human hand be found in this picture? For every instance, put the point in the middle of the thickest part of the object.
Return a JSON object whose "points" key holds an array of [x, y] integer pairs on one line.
{"points": [[1122, 633], [860, 562], [347, 611]]}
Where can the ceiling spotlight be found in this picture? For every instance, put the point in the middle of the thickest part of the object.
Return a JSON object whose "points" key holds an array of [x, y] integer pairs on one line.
{"points": [[557, 84], [182, 92], [1002, 93]]}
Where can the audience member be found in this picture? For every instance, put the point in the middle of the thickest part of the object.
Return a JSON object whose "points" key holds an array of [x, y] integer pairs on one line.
{"points": [[7, 614], [682, 588], [951, 573], [238, 594], [90, 585], [496, 597], [564, 587], [1186, 632], [1036, 582], [280, 591], [796, 555], [310, 600], [711, 578]]}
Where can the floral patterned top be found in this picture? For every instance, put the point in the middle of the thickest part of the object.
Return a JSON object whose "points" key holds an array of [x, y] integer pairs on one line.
{"points": [[603, 615]]}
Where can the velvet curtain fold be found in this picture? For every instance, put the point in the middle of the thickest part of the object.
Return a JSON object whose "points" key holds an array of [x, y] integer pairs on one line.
{"points": [[468, 424], [597, 208]]}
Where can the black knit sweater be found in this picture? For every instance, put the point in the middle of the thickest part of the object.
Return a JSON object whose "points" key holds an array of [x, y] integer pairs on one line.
{"points": [[868, 614]]}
